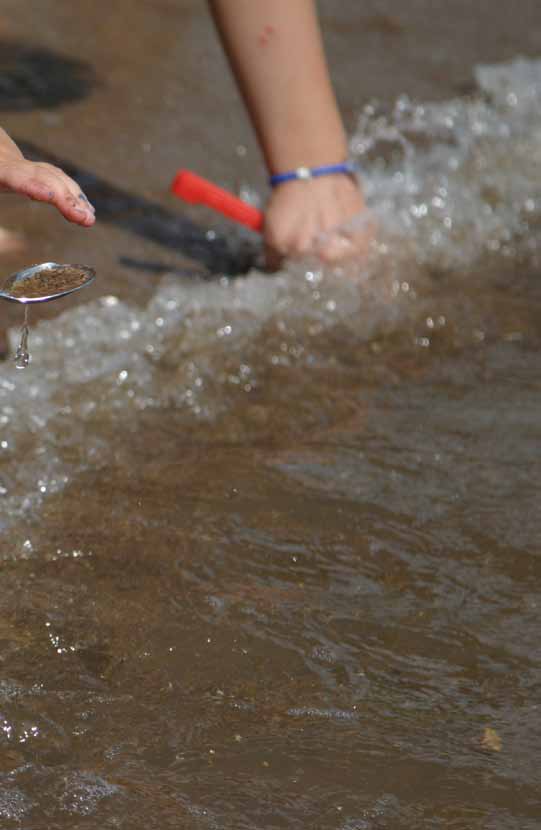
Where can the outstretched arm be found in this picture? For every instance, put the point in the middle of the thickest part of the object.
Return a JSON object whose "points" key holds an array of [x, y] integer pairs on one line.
{"points": [[42, 182], [276, 53]]}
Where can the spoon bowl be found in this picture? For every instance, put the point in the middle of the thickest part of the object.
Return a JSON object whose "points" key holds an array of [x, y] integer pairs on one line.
{"points": [[46, 282]]}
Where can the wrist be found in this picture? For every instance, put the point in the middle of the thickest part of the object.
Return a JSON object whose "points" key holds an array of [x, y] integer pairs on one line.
{"points": [[305, 174], [319, 194], [326, 185], [307, 156], [306, 139]]}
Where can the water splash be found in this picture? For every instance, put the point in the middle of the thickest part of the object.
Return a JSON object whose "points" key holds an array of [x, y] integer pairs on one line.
{"points": [[459, 179]]}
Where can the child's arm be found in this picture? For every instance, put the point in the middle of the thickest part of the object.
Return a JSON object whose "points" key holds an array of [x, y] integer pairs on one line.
{"points": [[277, 55], [42, 182]]}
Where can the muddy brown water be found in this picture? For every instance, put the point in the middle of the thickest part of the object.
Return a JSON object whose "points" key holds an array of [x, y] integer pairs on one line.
{"points": [[269, 547]]}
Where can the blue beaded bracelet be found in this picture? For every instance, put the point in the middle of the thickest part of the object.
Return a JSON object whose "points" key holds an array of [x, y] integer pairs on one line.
{"points": [[306, 173]]}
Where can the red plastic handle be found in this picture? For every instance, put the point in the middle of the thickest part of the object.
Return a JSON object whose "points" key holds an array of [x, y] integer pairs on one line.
{"points": [[199, 191]]}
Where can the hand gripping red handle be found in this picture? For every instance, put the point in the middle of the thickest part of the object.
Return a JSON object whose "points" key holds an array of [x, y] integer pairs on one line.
{"points": [[199, 191]]}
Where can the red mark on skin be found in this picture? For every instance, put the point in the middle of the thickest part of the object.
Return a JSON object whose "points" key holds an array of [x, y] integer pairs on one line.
{"points": [[266, 35]]}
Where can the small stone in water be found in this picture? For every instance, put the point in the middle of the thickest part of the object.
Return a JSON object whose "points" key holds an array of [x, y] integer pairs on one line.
{"points": [[491, 740]]}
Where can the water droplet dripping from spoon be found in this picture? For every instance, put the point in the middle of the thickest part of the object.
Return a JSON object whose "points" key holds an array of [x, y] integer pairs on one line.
{"points": [[22, 356]]}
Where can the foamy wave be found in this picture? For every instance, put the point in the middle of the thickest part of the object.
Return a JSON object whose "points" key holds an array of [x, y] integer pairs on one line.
{"points": [[460, 178], [449, 182]]}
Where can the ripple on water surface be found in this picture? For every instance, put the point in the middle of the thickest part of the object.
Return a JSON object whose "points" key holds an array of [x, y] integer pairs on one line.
{"points": [[271, 543]]}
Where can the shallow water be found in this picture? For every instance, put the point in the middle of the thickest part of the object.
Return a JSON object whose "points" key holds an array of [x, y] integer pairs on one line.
{"points": [[270, 544]]}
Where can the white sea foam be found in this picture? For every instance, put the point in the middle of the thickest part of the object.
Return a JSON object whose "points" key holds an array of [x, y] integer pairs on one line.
{"points": [[462, 177]]}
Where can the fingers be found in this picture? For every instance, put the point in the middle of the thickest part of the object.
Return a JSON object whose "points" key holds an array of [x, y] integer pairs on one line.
{"points": [[336, 248], [289, 233], [337, 245], [292, 242], [10, 243], [324, 216], [352, 241], [66, 195], [46, 183]]}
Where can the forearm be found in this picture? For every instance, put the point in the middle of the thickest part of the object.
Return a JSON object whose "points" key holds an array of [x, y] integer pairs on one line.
{"points": [[8, 148], [276, 52]]}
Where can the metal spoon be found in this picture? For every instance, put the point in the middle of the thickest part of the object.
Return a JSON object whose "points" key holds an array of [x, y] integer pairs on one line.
{"points": [[39, 284], [45, 282]]}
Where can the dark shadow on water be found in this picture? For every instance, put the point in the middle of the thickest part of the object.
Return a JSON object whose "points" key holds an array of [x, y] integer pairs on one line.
{"points": [[34, 78], [153, 222], [157, 268]]}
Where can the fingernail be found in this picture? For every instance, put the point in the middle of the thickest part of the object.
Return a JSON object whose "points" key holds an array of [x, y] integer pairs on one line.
{"points": [[87, 200]]}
